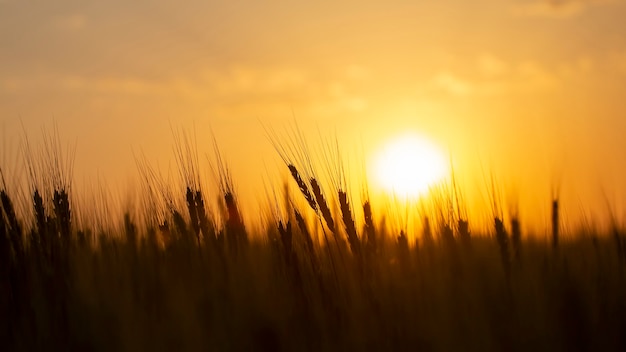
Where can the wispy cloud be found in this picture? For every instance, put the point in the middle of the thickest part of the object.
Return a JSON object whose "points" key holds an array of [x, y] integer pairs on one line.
{"points": [[237, 88], [618, 61], [452, 84], [491, 65], [533, 76], [492, 76], [72, 22], [557, 8]]}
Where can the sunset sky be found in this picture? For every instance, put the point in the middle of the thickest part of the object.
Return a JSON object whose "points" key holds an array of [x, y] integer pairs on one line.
{"points": [[531, 91]]}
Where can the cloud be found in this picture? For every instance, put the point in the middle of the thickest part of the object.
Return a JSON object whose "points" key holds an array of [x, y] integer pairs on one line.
{"points": [[357, 72], [452, 84], [618, 61], [11, 85], [457, 86], [259, 80], [533, 76], [490, 65], [577, 67], [234, 90], [47, 82], [492, 76], [557, 8], [73, 22]]}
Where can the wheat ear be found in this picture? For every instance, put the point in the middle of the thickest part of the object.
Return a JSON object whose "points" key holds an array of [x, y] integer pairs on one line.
{"points": [[323, 206], [348, 222], [302, 186]]}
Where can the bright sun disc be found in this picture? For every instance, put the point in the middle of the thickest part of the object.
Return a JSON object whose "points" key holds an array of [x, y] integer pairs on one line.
{"points": [[409, 165]]}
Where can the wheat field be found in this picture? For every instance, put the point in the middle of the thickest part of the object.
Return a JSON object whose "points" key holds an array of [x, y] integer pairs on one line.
{"points": [[320, 273]]}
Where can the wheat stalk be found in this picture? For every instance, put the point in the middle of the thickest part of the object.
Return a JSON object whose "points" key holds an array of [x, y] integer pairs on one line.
{"points": [[370, 230], [40, 215], [13, 226], [403, 249], [303, 228], [555, 223], [447, 235], [427, 234], [302, 186], [464, 232], [286, 238], [193, 212], [516, 238], [5, 246], [503, 242], [234, 225], [348, 222], [323, 206], [179, 223], [130, 229], [205, 225]]}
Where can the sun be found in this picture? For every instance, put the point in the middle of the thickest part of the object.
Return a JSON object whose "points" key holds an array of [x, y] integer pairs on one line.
{"points": [[408, 165]]}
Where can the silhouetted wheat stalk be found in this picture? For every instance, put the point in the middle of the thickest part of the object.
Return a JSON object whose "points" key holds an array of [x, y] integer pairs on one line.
{"points": [[403, 249], [461, 211], [131, 232], [427, 234], [206, 226], [370, 230], [302, 226], [40, 219], [12, 224], [5, 245], [303, 187], [447, 234], [516, 238], [286, 238], [555, 223], [348, 221], [234, 232], [503, 243], [193, 212], [618, 239], [11, 232], [62, 213], [323, 206], [464, 232]]}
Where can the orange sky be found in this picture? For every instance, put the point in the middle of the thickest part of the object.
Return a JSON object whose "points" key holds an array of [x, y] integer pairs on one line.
{"points": [[531, 91]]}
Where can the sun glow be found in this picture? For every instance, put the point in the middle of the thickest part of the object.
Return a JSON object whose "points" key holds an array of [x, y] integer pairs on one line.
{"points": [[409, 165]]}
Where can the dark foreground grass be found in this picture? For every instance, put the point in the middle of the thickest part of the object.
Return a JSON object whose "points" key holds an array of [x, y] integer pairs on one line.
{"points": [[270, 295]]}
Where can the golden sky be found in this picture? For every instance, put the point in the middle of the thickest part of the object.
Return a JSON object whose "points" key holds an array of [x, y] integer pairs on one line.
{"points": [[531, 91]]}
